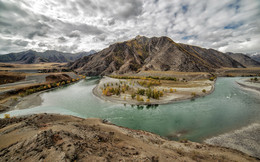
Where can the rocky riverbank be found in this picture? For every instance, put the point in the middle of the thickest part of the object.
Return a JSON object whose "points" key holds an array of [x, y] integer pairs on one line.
{"points": [[246, 139]]}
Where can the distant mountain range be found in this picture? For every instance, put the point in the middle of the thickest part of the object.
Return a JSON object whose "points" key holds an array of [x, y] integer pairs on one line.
{"points": [[157, 53], [245, 60], [31, 57], [256, 57]]}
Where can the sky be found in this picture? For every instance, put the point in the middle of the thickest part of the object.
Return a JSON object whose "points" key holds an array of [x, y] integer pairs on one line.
{"points": [[84, 25]]}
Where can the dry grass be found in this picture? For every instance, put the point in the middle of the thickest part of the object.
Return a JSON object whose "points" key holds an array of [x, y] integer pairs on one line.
{"points": [[10, 66], [180, 84], [173, 73], [240, 69]]}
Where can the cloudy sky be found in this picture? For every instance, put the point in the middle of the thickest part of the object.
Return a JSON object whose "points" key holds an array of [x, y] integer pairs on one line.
{"points": [[82, 25]]}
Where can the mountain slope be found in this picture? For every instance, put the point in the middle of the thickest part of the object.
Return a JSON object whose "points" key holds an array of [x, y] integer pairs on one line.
{"points": [[30, 56], [156, 53], [244, 59]]}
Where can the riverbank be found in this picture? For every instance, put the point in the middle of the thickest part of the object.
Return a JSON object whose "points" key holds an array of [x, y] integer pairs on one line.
{"points": [[46, 137], [30, 101], [246, 139], [172, 91], [249, 84]]}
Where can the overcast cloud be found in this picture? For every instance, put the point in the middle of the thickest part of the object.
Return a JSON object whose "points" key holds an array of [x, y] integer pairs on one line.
{"points": [[83, 25]]}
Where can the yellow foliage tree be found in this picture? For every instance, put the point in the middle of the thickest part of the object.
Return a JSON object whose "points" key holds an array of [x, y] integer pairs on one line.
{"points": [[7, 116]]}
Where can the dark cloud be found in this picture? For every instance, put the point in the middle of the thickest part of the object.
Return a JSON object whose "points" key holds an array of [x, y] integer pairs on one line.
{"points": [[42, 44], [80, 28], [21, 43], [36, 33], [62, 39], [111, 22], [100, 38]]}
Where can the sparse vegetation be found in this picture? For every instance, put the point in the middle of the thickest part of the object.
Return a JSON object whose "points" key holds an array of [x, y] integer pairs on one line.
{"points": [[254, 79], [144, 78]]}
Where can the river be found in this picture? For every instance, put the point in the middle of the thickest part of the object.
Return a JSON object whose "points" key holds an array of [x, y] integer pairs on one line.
{"points": [[227, 108]]}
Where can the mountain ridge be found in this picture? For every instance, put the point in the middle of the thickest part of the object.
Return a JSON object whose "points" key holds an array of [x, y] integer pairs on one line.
{"points": [[156, 53], [31, 56]]}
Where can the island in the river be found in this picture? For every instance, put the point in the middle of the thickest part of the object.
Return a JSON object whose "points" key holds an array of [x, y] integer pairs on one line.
{"points": [[154, 87]]}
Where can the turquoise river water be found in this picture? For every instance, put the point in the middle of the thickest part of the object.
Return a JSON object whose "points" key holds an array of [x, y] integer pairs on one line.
{"points": [[226, 109]]}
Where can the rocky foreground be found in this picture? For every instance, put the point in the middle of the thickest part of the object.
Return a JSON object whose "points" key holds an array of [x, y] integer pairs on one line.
{"points": [[48, 137]]}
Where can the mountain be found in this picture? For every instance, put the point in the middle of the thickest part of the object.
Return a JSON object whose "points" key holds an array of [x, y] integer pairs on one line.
{"points": [[256, 57], [244, 59], [31, 57], [156, 53]]}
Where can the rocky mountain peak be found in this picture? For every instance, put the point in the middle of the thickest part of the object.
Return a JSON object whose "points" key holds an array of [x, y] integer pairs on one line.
{"points": [[157, 53]]}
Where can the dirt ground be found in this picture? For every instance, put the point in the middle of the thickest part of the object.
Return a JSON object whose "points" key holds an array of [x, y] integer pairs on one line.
{"points": [[49, 137]]}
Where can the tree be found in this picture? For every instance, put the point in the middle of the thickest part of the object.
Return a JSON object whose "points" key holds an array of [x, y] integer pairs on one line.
{"points": [[7, 116], [133, 95]]}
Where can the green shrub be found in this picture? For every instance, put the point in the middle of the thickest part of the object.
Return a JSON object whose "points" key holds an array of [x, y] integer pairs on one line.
{"points": [[140, 91]]}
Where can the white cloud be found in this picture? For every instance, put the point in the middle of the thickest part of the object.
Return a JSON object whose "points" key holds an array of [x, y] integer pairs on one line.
{"points": [[82, 25]]}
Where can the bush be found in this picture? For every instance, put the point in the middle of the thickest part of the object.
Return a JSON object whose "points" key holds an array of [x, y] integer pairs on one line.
{"points": [[193, 94], [149, 93], [160, 93], [7, 116], [204, 90], [140, 91], [155, 94], [212, 78], [138, 98], [117, 91], [133, 95]]}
